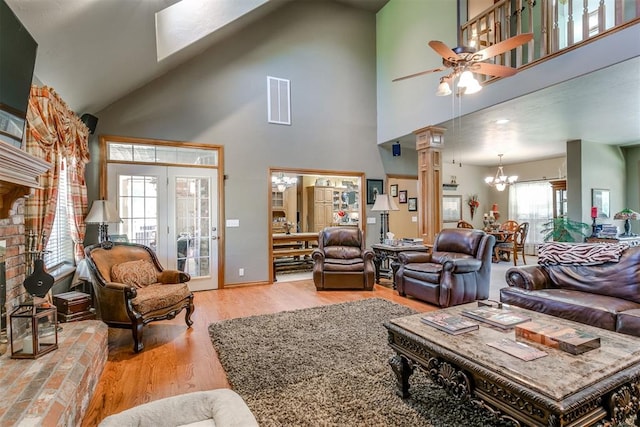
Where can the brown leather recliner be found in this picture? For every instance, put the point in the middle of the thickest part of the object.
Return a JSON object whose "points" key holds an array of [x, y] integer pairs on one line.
{"points": [[341, 260], [132, 289], [457, 271]]}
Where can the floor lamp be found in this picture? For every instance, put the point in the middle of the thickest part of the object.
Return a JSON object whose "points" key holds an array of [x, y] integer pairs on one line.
{"points": [[384, 204], [101, 213]]}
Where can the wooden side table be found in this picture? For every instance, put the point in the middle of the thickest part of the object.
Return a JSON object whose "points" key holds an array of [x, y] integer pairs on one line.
{"points": [[388, 254]]}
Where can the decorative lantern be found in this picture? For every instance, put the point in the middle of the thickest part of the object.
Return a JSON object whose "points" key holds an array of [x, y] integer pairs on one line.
{"points": [[34, 330]]}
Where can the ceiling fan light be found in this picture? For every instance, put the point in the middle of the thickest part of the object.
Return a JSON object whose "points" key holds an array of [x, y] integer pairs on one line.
{"points": [[472, 87], [466, 79], [443, 89]]}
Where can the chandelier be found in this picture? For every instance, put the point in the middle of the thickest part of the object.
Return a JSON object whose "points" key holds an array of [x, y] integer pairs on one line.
{"points": [[282, 182], [500, 181]]}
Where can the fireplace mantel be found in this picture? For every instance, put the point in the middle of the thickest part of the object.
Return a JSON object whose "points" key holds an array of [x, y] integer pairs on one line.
{"points": [[19, 172]]}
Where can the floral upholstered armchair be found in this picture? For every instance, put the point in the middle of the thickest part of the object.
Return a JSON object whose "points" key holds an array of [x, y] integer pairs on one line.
{"points": [[132, 289]]}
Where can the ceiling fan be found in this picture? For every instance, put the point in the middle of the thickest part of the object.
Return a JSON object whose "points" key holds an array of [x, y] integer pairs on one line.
{"points": [[462, 58]]}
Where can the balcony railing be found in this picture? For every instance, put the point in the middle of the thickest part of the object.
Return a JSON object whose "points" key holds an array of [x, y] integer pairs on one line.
{"points": [[556, 24]]}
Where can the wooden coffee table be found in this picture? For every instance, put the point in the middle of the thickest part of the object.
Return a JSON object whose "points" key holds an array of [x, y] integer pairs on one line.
{"points": [[559, 389]]}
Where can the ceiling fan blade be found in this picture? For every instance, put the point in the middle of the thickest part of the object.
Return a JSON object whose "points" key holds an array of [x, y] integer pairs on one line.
{"points": [[504, 46], [434, 70], [493, 69], [443, 50]]}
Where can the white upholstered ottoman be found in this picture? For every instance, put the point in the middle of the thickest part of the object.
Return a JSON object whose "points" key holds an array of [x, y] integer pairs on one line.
{"points": [[220, 408]]}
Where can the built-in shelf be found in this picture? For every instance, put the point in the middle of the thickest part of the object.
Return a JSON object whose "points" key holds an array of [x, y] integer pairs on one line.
{"points": [[449, 186], [19, 173]]}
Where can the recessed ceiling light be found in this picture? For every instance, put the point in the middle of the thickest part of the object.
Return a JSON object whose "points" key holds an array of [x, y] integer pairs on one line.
{"points": [[502, 121]]}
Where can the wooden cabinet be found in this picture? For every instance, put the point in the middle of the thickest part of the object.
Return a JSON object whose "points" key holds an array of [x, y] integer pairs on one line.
{"points": [[324, 202], [320, 207]]}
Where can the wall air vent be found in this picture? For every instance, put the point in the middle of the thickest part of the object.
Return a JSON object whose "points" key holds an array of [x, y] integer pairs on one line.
{"points": [[279, 101]]}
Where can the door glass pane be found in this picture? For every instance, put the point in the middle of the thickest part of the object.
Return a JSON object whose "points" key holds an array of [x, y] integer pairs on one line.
{"points": [[193, 225], [138, 208]]}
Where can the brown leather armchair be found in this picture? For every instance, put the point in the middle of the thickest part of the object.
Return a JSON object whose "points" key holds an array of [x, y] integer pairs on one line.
{"points": [[457, 271], [341, 260], [132, 289]]}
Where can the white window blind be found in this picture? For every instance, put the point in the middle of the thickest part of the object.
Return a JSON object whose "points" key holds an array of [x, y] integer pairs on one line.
{"points": [[59, 249]]}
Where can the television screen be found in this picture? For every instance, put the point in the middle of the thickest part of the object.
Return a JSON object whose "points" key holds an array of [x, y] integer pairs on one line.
{"points": [[17, 60]]}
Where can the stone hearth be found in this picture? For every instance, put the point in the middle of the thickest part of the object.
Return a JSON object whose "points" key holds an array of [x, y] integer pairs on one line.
{"points": [[55, 389]]}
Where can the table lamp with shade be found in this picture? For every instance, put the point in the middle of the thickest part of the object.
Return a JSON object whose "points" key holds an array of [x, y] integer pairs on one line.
{"points": [[384, 204], [627, 215], [101, 213]]}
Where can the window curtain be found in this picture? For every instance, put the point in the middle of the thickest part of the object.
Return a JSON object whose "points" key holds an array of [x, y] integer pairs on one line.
{"points": [[54, 133], [531, 202]]}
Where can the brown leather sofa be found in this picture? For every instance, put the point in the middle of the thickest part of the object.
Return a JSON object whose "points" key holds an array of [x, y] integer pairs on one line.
{"points": [[341, 261], [456, 271], [605, 295]]}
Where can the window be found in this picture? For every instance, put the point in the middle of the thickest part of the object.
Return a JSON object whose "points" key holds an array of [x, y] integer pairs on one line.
{"points": [[531, 202], [59, 249]]}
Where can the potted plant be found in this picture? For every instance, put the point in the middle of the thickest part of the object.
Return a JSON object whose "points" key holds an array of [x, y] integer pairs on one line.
{"points": [[563, 229]]}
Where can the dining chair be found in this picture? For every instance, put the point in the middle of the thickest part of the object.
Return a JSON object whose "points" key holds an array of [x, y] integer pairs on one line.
{"points": [[515, 246], [464, 224]]}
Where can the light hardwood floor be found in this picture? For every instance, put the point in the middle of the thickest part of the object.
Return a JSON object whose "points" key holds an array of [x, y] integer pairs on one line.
{"points": [[178, 360]]}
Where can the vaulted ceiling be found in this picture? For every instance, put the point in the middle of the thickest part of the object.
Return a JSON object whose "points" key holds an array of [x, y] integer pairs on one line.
{"points": [[93, 52]]}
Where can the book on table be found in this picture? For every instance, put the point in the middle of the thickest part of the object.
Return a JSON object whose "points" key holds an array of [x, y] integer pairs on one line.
{"points": [[449, 323], [571, 340], [499, 317], [517, 349]]}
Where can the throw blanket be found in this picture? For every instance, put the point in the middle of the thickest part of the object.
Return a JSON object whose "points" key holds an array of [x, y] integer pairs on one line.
{"points": [[580, 253]]}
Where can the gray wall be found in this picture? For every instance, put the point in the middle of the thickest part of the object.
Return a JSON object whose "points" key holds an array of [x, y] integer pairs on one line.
{"points": [[327, 50]]}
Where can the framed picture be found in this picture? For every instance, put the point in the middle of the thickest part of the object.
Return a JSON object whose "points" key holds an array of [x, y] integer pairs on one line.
{"points": [[451, 208], [402, 196], [119, 238], [394, 190], [413, 204], [374, 187]]}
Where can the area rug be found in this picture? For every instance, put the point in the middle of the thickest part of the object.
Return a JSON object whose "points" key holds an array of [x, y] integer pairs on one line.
{"points": [[328, 366]]}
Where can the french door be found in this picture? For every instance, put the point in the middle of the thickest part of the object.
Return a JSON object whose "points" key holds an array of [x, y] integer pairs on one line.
{"points": [[173, 210]]}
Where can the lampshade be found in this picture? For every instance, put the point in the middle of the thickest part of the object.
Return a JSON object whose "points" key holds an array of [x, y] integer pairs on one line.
{"points": [[466, 79], [384, 203], [627, 214], [472, 87], [102, 212], [443, 89]]}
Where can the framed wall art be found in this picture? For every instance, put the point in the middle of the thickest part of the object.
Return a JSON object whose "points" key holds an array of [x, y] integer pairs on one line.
{"points": [[402, 196], [413, 204], [374, 187], [393, 190], [451, 208]]}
